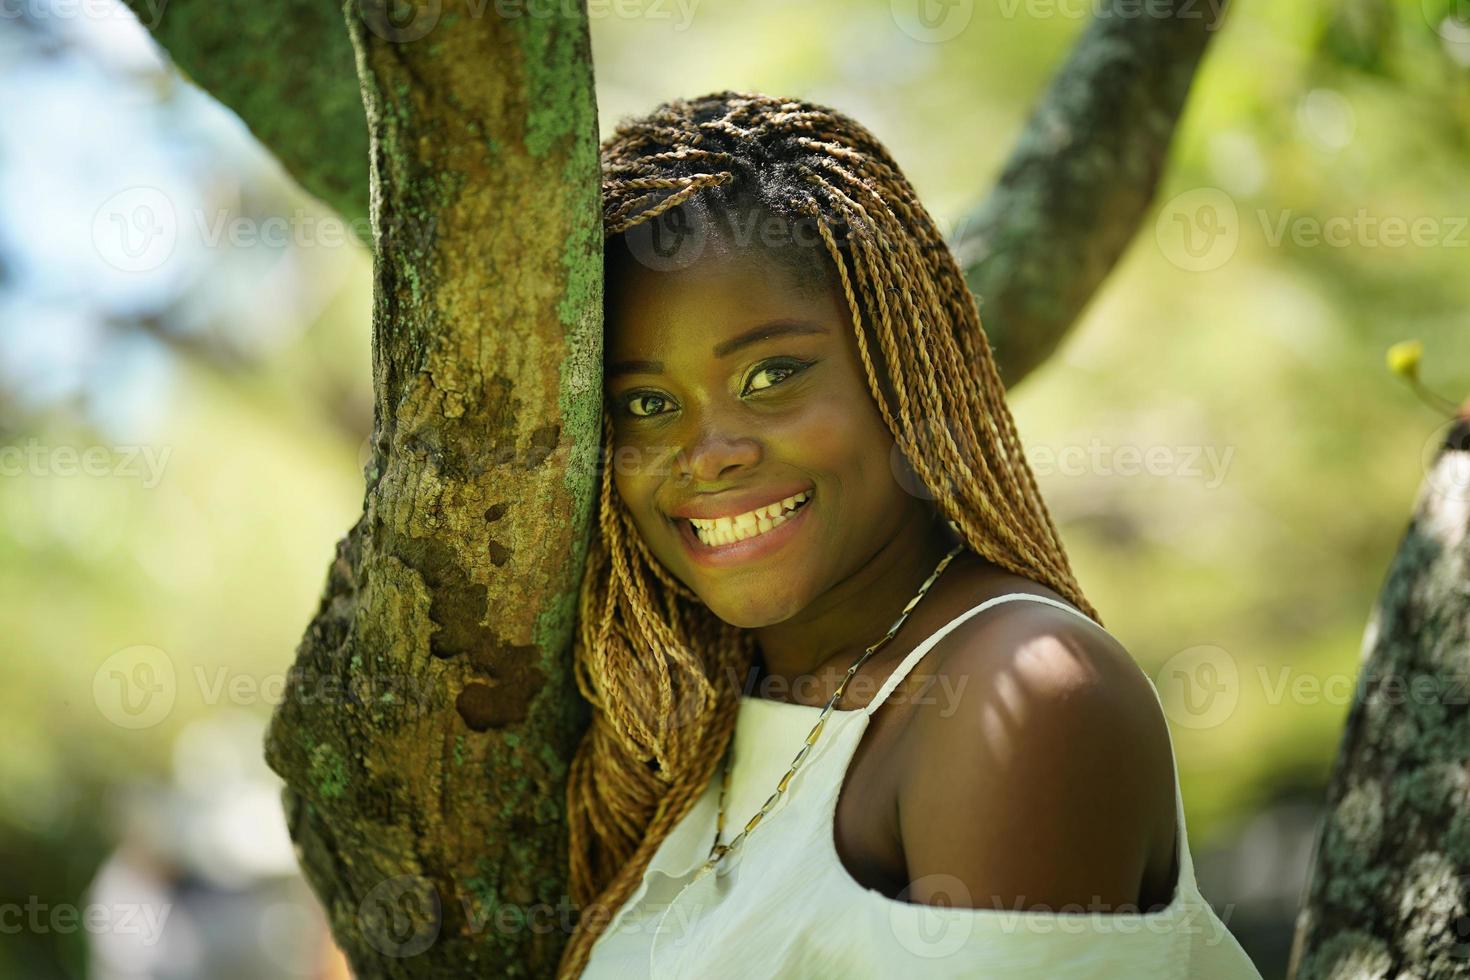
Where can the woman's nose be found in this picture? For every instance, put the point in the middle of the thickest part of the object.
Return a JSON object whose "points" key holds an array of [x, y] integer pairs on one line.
{"points": [[716, 455]]}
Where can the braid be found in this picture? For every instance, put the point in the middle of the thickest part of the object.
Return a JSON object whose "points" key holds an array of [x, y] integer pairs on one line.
{"points": [[652, 660]]}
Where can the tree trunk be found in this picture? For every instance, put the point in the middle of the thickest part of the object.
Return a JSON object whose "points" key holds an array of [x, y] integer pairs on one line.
{"points": [[425, 729], [1389, 893]]}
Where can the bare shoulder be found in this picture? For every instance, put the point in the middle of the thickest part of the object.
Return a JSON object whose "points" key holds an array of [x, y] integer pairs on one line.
{"points": [[1039, 774]]}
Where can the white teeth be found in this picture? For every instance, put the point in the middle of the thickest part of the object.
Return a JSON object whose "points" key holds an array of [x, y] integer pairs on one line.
{"points": [[725, 530]]}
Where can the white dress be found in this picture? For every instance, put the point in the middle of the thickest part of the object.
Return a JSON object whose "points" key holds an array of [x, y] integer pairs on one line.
{"points": [[783, 905]]}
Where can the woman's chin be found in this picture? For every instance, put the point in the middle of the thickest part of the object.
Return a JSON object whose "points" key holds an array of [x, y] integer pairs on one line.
{"points": [[753, 610]]}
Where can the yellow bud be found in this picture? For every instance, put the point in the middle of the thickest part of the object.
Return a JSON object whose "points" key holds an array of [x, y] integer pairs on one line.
{"points": [[1403, 358]]}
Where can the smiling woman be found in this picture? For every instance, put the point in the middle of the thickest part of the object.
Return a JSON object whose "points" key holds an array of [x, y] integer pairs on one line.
{"points": [[807, 436], [734, 387]]}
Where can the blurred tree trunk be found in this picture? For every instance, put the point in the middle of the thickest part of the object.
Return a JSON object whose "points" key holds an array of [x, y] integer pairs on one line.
{"points": [[425, 729], [1389, 892]]}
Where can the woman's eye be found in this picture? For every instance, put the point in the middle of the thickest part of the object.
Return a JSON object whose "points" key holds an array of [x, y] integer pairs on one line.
{"points": [[632, 400], [648, 404], [777, 373]]}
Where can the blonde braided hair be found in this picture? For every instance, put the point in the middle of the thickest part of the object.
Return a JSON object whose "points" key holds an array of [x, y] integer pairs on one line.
{"points": [[649, 656]]}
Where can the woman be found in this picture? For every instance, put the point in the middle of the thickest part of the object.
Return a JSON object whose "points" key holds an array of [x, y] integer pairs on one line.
{"points": [[828, 738]]}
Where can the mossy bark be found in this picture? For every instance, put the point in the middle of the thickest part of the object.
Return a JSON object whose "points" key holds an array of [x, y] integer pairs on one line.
{"points": [[426, 728], [1389, 894]]}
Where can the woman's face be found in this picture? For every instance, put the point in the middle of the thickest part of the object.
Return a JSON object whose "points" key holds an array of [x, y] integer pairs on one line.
{"points": [[730, 389]]}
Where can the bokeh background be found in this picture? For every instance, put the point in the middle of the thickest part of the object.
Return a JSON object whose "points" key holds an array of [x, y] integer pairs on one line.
{"points": [[182, 423]]}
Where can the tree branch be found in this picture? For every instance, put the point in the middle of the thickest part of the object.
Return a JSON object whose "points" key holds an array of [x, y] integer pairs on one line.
{"points": [[1081, 177], [286, 68]]}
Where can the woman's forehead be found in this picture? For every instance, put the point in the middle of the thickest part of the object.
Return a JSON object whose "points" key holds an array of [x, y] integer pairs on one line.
{"points": [[716, 295]]}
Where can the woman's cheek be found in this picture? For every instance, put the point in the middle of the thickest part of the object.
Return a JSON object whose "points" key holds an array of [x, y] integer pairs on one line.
{"points": [[824, 435]]}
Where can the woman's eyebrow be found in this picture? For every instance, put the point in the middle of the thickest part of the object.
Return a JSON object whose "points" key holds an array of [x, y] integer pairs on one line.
{"points": [[766, 331]]}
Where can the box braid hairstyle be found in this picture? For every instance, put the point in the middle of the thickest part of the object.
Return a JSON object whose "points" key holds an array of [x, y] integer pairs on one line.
{"points": [[649, 655]]}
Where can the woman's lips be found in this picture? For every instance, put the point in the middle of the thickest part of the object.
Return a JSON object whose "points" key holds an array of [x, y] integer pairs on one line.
{"points": [[748, 549]]}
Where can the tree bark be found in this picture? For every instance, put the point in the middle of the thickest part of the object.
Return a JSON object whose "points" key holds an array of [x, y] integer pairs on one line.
{"points": [[1082, 176], [1389, 891], [426, 725]]}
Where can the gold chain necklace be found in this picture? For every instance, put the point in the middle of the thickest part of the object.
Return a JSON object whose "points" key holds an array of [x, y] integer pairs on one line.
{"points": [[717, 850]]}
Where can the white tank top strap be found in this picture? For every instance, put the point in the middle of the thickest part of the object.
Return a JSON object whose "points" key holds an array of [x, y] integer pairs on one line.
{"points": [[918, 652]]}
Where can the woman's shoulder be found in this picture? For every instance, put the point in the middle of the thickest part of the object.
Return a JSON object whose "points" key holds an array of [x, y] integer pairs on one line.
{"points": [[1057, 648], [1039, 770], [1054, 649]]}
